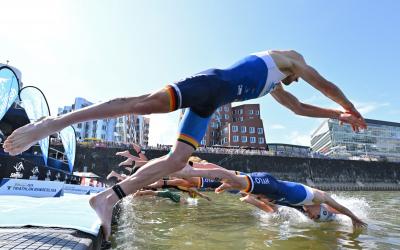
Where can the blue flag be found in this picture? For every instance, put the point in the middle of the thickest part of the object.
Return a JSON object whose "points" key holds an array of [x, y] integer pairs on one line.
{"points": [[36, 107], [69, 142], [8, 89]]}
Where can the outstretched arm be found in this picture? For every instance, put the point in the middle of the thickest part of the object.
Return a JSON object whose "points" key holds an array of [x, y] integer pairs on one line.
{"points": [[178, 182], [329, 89], [235, 181], [322, 197], [291, 102], [258, 203]]}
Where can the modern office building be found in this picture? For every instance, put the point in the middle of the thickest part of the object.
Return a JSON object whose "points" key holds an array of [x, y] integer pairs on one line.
{"points": [[239, 126], [124, 129], [381, 141], [132, 129]]}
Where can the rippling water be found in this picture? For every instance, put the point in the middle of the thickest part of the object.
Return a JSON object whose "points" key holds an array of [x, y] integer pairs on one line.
{"points": [[227, 223]]}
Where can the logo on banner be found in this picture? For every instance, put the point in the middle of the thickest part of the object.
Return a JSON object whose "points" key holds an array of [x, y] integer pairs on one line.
{"points": [[35, 174], [19, 167]]}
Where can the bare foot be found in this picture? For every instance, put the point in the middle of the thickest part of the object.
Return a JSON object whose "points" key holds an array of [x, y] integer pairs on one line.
{"points": [[124, 153], [127, 162], [103, 208], [24, 137]]}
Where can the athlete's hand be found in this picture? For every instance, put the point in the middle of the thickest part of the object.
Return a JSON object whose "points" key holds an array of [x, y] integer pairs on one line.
{"points": [[355, 122], [224, 186], [228, 186], [245, 199], [207, 198], [136, 147], [357, 223], [352, 110], [127, 162]]}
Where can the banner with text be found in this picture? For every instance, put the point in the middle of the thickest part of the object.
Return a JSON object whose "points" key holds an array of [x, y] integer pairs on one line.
{"points": [[31, 188]]}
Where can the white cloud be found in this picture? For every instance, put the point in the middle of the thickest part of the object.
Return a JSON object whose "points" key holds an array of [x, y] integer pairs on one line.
{"points": [[368, 107], [298, 138], [276, 126]]}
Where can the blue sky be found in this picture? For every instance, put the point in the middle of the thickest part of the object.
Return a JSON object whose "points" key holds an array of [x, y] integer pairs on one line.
{"points": [[105, 49]]}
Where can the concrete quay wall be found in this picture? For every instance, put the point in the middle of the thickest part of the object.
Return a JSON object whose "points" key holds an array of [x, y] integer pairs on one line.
{"points": [[327, 174]]}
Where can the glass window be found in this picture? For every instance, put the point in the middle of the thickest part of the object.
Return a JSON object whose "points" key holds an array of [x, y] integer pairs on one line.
{"points": [[260, 131], [244, 138], [250, 112], [235, 138], [226, 109], [260, 140], [235, 128], [243, 129], [252, 139], [252, 130]]}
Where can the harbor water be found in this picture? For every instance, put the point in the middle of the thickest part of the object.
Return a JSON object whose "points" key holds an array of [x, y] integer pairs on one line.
{"points": [[228, 223]]}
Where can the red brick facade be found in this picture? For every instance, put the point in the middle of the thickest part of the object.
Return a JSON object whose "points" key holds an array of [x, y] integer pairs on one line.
{"points": [[236, 126]]}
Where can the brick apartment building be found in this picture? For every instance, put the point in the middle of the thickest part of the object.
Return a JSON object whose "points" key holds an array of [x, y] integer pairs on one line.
{"points": [[239, 126]]}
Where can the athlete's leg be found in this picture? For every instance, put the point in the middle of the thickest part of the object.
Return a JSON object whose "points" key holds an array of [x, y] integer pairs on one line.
{"points": [[23, 138], [154, 170], [191, 131]]}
